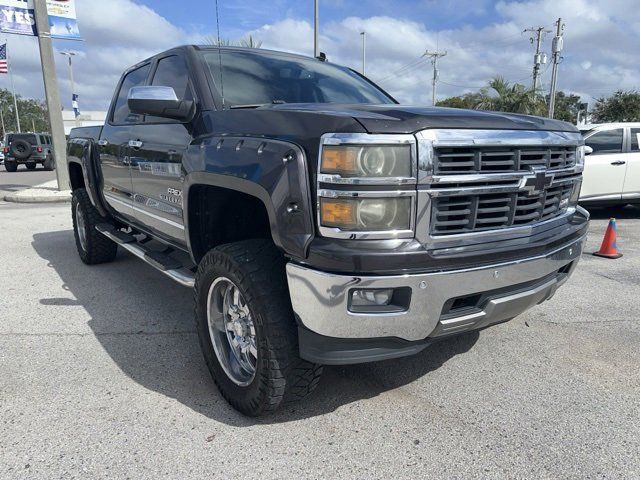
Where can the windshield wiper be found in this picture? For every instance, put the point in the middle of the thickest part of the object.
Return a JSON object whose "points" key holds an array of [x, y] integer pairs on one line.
{"points": [[258, 105], [249, 105]]}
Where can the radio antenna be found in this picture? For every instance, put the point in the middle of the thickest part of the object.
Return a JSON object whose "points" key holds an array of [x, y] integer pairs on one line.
{"points": [[219, 53]]}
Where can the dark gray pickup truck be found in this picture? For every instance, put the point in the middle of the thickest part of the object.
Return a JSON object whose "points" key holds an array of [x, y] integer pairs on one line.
{"points": [[319, 221]]}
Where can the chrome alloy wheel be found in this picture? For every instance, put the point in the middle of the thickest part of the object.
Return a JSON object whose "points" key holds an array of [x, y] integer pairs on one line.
{"points": [[232, 331], [81, 226]]}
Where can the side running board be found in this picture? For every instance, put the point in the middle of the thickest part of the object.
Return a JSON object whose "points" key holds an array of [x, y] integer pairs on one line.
{"points": [[167, 265]]}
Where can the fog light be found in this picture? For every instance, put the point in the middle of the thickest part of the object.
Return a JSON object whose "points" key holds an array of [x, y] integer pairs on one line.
{"points": [[366, 298]]}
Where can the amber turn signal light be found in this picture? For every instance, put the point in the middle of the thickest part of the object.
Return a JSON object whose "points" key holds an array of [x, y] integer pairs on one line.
{"points": [[336, 212], [338, 160]]}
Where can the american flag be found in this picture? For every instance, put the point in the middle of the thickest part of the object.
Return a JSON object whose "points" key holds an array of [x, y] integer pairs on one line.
{"points": [[4, 64]]}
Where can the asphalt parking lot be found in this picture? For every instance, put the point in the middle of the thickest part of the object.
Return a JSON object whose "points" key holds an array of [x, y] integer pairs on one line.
{"points": [[101, 376]]}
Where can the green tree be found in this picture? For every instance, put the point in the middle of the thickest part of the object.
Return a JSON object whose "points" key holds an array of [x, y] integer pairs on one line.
{"points": [[248, 42], [567, 107], [33, 113], [468, 100], [502, 96], [622, 106]]}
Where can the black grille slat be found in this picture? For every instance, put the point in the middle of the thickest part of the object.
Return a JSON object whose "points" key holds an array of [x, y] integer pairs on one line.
{"points": [[490, 211], [457, 160]]}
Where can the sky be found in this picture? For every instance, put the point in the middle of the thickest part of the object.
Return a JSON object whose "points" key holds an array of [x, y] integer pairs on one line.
{"points": [[482, 38]]}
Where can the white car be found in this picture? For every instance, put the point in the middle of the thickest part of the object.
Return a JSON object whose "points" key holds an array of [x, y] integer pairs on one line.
{"points": [[612, 164]]}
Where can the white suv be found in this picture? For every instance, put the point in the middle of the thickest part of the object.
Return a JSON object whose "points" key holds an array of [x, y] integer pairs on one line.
{"points": [[612, 164]]}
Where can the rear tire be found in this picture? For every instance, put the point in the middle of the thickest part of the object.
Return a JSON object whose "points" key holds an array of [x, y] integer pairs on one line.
{"points": [[264, 323], [10, 166], [93, 247], [49, 164], [31, 166]]}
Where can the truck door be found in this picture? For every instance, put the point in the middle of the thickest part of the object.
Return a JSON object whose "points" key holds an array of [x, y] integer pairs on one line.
{"points": [[117, 186], [631, 190], [157, 149], [605, 168]]}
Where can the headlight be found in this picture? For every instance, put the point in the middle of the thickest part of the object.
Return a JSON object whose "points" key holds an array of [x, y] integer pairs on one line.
{"points": [[366, 214], [580, 154], [366, 161]]}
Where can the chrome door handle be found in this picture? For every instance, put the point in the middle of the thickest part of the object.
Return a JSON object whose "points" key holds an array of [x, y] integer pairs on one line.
{"points": [[103, 143], [618, 162], [135, 143]]}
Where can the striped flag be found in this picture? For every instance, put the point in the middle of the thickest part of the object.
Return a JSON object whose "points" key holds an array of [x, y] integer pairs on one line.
{"points": [[74, 103], [4, 63]]}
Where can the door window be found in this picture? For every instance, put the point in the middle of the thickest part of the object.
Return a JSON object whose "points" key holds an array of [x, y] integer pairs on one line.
{"points": [[172, 72], [635, 139], [121, 112], [606, 141]]}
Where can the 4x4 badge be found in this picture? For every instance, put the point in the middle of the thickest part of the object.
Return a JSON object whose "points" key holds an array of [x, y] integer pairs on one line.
{"points": [[538, 182]]}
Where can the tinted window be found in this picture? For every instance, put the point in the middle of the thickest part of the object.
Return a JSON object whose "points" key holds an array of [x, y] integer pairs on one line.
{"points": [[635, 139], [607, 141], [172, 72], [19, 136], [250, 78], [121, 112]]}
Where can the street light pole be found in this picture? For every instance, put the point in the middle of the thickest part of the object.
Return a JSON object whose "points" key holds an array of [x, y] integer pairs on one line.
{"points": [[70, 55], [364, 53]]}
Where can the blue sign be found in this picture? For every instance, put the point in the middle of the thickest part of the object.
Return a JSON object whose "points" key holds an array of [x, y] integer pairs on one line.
{"points": [[17, 16]]}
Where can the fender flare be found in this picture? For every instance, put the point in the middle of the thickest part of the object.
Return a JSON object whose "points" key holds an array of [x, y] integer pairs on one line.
{"points": [[278, 186]]}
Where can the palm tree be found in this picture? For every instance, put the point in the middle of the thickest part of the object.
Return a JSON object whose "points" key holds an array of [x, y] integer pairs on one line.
{"points": [[249, 42], [502, 96]]}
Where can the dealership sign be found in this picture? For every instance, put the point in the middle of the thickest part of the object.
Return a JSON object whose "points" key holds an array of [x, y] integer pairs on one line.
{"points": [[17, 16]]}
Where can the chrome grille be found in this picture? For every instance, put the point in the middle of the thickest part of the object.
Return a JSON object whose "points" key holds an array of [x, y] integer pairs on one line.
{"points": [[473, 213], [461, 160]]}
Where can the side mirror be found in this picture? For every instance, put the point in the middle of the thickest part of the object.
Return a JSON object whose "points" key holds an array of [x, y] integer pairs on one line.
{"points": [[588, 150], [160, 102]]}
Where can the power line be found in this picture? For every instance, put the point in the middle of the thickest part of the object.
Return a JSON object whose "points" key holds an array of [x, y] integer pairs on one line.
{"points": [[405, 68]]}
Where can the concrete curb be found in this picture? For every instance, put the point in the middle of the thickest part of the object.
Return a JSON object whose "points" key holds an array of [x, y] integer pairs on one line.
{"points": [[45, 193], [37, 198]]}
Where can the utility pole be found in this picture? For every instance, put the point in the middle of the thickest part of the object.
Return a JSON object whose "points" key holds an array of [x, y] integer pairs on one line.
{"points": [[539, 58], [70, 55], [4, 130], [435, 55], [556, 48], [364, 53], [316, 44], [52, 93]]}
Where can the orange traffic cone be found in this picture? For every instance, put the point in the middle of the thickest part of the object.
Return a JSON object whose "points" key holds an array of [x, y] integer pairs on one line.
{"points": [[609, 247]]}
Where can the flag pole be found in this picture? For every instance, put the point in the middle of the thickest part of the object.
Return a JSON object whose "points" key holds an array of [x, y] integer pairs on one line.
{"points": [[13, 89]]}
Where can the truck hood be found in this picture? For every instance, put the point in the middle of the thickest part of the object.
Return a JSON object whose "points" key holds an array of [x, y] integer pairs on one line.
{"points": [[409, 119]]}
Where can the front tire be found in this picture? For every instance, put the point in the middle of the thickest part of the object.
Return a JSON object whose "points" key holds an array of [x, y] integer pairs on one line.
{"points": [[247, 330], [11, 166], [93, 247], [31, 166]]}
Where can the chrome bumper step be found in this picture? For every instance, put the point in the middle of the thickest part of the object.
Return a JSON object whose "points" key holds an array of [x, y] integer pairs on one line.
{"points": [[164, 263]]}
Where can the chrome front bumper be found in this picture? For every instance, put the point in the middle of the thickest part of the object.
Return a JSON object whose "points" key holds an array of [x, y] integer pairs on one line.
{"points": [[320, 300]]}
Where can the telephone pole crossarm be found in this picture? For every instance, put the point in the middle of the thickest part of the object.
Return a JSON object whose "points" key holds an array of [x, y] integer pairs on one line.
{"points": [[434, 55]]}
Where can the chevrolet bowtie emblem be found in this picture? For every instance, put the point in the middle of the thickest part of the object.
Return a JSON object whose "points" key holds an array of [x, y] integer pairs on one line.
{"points": [[538, 181]]}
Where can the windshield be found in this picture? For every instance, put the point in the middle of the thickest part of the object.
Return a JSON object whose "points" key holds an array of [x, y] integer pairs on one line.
{"points": [[252, 79]]}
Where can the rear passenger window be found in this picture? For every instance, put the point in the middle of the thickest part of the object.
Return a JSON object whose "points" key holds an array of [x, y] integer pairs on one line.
{"points": [[635, 139], [135, 78], [606, 141]]}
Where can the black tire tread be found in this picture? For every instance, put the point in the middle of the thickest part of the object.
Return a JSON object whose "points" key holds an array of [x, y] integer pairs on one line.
{"points": [[11, 166], [261, 268], [99, 248]]}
